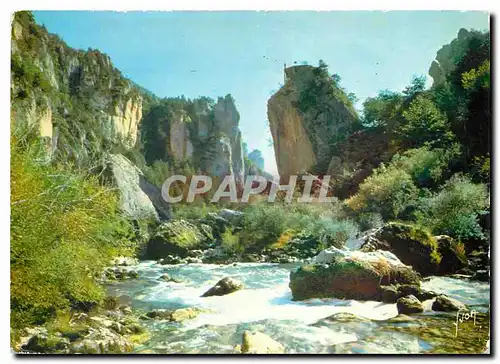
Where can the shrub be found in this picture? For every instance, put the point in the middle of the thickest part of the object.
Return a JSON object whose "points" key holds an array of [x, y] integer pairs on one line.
{"points": [[389, 191], [455, 209], [231, 242], [65, 228], [426, 166], [370, 220], [268, 225]]}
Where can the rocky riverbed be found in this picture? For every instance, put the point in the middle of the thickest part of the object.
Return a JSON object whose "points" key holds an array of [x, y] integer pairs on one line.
{"points": [[317, 325]]}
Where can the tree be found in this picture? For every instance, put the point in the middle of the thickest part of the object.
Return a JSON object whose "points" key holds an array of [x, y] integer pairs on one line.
{"points": [[423, 122]]}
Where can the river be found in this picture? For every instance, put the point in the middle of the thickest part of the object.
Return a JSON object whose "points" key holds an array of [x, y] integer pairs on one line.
{"points": [[266, 305]]}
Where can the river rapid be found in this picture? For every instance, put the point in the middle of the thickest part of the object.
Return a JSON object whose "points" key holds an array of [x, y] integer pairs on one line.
{"points": [[266, 305]]}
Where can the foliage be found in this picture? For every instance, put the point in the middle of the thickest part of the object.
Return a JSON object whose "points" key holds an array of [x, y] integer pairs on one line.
{"points": [[382, 110], [65, 228], [423, 122], [427, 167], [389, 191], [456, 208], [269, 225]]}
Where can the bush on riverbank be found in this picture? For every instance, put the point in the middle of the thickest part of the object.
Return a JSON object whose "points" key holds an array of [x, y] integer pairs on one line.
{"points": [[65, 227]]}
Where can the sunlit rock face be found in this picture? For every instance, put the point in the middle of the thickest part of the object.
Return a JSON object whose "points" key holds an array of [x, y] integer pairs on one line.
{"points": [[229, 147], [126, 119], [304, 138], [80, 102]]}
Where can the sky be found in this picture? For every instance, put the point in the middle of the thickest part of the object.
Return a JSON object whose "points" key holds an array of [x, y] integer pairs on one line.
{"points": [[243, 53]]}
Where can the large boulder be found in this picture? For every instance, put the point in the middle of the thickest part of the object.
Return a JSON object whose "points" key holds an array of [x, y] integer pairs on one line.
{"points": [[139, 198], [223, 287], [350, 275], [452, 254], [412, 245], [447, 304], [174, 237], [409, 304], [259, 343]]}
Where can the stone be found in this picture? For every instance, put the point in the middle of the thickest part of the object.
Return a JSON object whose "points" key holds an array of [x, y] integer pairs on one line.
{"points": [[447, 304], [409, 304], [259, 343], [412, 245], [302, 139], [47, 344], [453, 258], [481, 275], [160, 314], [139, 199], [350, 275], [174, 237], [124, 261], [389, 294], [223, 287], [183, 314]]}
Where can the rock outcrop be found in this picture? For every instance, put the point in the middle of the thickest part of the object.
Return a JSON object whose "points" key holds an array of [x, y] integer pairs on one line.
{"points": [[259, 343], [350, 275], [223, 287], [306, 122], [139, 198], [444, 62], [78, 98], [416, 247], [201, 132]]}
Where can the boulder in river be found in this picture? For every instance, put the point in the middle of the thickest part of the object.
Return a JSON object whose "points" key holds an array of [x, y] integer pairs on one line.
{"points": [[259, 343], [409, 304], [223, 287], [179, 315], [350, 275], [174, 237], [412, 245], [447, 304], [452, 253]]}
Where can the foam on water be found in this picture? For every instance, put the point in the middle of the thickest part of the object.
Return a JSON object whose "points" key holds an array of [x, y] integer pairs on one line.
{"points": [[469, 292], [266, 296], [266, 305]]}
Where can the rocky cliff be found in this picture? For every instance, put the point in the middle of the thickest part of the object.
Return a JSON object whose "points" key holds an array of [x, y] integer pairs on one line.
{"points": [[85, 108], [307, 117], [444, 63], [201, 132], [77, 99]]}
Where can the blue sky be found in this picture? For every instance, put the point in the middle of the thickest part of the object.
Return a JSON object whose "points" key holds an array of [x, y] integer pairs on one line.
{"points": [[242, 53]]}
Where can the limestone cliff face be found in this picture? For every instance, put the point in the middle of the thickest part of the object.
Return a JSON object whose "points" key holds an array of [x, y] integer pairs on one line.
{"points": [[125, 119], [181, 147], [201, 132], [305, 135], [443, 64], [80, 101], [229, 147]]}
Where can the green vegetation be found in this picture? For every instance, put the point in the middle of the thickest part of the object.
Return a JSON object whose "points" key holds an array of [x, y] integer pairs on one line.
{"points": [[65, 227], [456, 208], [439, 174]]}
